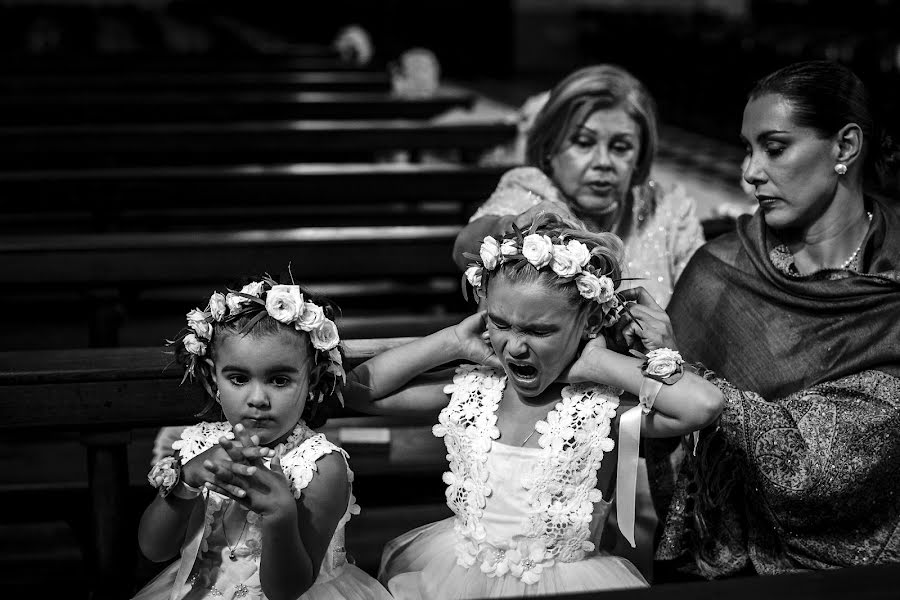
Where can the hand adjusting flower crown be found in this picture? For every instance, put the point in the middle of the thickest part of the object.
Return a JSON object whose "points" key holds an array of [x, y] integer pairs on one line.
{"points": [[284, 303], [569, 259]]}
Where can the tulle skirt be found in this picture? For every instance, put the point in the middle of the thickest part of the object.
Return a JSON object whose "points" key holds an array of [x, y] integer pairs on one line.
{"points": [[422, 564], [349, 583]]}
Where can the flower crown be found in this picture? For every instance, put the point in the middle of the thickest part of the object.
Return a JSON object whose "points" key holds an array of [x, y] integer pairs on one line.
{"points": [[569, 259], [284, 303]]}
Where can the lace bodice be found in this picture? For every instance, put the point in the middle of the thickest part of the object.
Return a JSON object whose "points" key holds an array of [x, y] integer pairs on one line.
{"points": [[555, 488], [229, 528]]}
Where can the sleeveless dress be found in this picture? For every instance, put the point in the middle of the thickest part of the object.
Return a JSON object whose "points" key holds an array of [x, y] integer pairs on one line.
{"points": [[219, 528], [526, 519]]}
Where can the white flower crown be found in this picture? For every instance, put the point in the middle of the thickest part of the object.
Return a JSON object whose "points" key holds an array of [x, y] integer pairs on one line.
{"points": [[284, 303], [570, 260]]}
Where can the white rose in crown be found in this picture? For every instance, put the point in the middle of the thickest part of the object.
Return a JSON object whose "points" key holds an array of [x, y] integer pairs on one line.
{"points": [[508, 248], [284, 303], [599, 289], [663, 362], [197, 322], [234, 302], [580, 253], [537, 249], [311, 317], [473, 275], [194, 345], [253, 288], [563, 262], [217, 306], [326, 336], [490, 253]]}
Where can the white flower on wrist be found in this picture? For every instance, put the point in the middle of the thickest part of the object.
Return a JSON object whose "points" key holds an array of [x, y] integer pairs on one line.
{"points": [[473, 275], [325, 337], [564, 262], [194, 345], [663, 362], [490, 252], [284, 303], [217, 306], [197, 322], [537, 249]]}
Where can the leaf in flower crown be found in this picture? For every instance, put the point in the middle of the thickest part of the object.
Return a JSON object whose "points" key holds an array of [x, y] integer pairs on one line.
{"points": [[520, 237], [253, 321], [465, 287], [470, 256]]}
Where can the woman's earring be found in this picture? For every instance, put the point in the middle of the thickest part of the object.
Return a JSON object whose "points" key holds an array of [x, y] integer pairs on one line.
{"points": [[840, 169]]}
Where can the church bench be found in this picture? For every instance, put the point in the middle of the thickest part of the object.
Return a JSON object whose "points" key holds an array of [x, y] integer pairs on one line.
{"points": [[161, 198], [195, 144], [101, 278], [162, 107], [203, 81]]}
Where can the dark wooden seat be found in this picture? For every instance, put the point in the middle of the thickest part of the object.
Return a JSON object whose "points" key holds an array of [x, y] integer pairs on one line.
{"points": [[193, 144], [166, 81], [161, 198], [162, 107]]}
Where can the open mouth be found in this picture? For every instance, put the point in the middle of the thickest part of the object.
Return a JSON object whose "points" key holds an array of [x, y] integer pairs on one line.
{"points": [[601, 187], [522, 372]]}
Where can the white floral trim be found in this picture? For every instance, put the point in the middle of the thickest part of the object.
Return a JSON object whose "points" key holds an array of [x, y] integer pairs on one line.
{"points": [[562, 487]]}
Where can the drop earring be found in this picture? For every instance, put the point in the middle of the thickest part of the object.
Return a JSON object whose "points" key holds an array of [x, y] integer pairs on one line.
{"points": [[218, 397], [840, 169]]}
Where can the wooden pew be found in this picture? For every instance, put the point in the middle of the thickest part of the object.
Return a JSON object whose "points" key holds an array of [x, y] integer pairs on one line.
{"points": [[209, 107], [228, 81], [101, 277], [193, 144], [164, 198]]}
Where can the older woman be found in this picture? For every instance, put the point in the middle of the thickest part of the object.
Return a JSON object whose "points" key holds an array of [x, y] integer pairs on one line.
{"points": [[590, 152], [796, 312]]}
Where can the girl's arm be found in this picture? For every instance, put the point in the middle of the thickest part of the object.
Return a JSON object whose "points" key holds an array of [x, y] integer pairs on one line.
{"points": [[688, 405], [381, 385], [163, 526]]}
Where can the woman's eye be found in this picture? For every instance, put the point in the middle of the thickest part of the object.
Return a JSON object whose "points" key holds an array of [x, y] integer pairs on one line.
{"points": [[583, 142], [622, 148], [774, 149]]}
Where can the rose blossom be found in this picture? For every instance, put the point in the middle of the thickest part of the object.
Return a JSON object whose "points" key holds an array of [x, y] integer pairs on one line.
{"points": [[537, 249], [663, 362], [490, 252], [325, 337], [283, 302], [193, 345], [563, 262], [508, 248], [473, 274], [197, 321], [310, 318], [580, 252], [217, 306]]}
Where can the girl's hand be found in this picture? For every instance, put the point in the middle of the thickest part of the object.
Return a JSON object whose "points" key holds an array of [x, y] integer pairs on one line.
{"points": [[590, 355], [245, 448], [473, 341], [263, 490], [650, 329]]}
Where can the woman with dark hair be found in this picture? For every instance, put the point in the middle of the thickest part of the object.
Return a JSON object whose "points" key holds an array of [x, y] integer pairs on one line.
{"points": [[796, 313], [590, 151]]}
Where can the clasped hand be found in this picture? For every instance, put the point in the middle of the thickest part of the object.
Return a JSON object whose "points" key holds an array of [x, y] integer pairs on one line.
{"points": [[236, 468]]}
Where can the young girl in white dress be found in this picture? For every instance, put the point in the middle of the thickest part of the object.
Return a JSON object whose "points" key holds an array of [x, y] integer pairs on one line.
{"points": [[529, 428], [257, 504]]}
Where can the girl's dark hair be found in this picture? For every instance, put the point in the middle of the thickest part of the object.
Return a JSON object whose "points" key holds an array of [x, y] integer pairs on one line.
{"points": [[825, 96]]}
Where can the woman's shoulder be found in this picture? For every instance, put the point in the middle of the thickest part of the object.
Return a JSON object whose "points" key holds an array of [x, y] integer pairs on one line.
{"points": [[198, 438]]}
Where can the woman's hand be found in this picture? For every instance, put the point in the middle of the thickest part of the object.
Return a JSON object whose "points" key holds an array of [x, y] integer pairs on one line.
{"points": [[585, 366], [648, 328], [474, 344], [545, 206]]}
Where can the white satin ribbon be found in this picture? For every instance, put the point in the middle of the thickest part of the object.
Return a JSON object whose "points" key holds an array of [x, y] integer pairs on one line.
{"points": [[629, 445]]}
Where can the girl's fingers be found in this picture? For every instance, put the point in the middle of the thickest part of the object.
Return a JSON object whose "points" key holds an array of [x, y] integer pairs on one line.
{"points": [[233, 492], [233, 450], [242, 469], [275, 465]]}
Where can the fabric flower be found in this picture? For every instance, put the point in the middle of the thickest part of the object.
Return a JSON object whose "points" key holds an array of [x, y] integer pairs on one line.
{"points": [[580, 253], [284, 302], [310, 318], [537, 249], [663, 362], [473, 275], [490, 252], [217, 306], [193, 345], [197, 321], [564, 262], [325, 337]]}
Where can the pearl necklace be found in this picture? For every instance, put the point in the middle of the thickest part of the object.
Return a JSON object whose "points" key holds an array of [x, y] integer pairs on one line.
{"points": [[846, 264]]}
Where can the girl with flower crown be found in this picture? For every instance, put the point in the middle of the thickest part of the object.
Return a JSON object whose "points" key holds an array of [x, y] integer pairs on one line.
{"points": [[529, 427], [257, 504]]}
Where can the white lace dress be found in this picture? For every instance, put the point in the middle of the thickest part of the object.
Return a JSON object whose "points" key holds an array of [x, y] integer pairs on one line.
{"points": [[220, 527], [526, 519]]}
